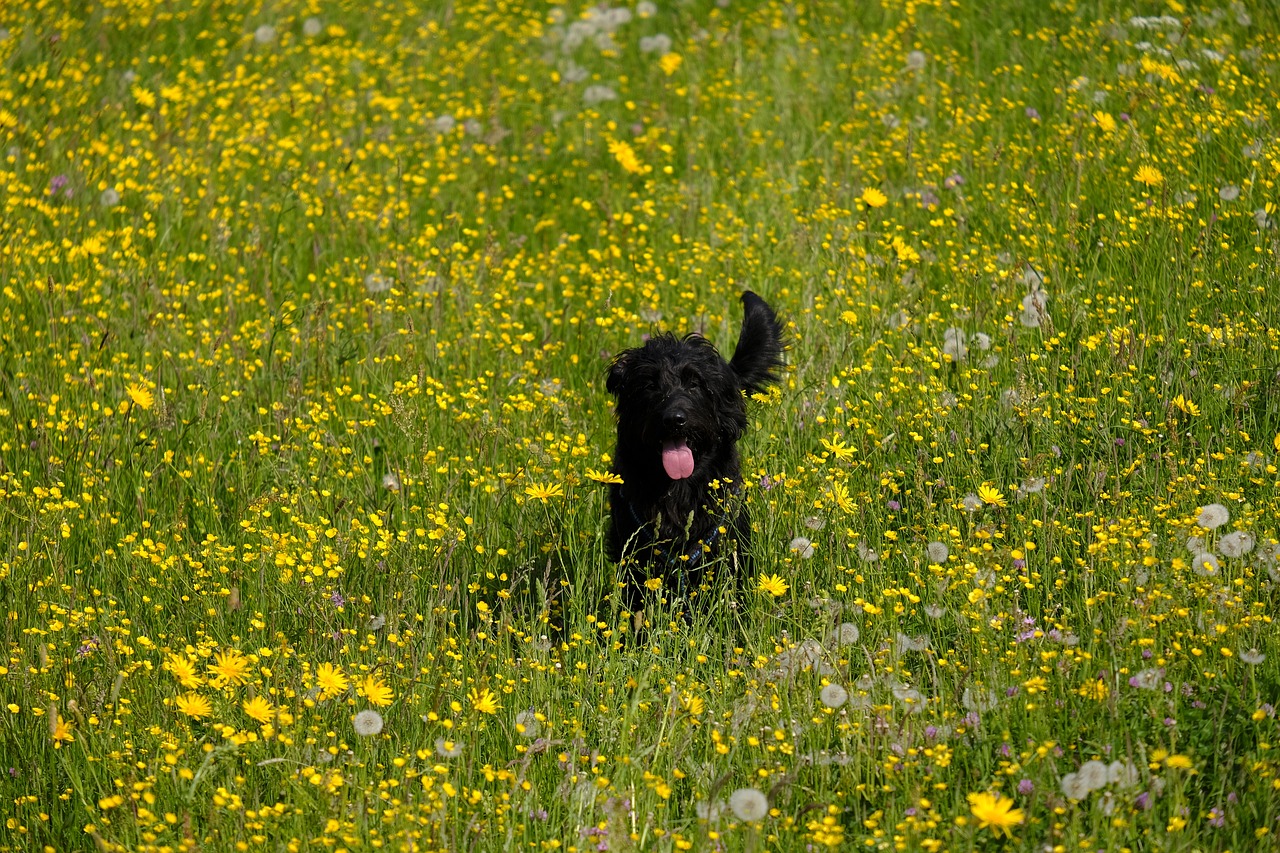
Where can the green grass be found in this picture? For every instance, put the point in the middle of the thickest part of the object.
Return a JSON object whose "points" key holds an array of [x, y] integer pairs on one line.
{"points": [[303, 333]]}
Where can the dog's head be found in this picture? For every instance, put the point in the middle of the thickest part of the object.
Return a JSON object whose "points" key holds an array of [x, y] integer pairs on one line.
{"points": [[681, 404]]}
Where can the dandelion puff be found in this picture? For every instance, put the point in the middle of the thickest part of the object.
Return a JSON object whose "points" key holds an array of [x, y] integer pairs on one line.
{"points": [[978, 701], [802, 547], [1074, 787], [312, 27], [1195, 544], [391, 482], [846, 634], [1237, 543], [937, 552], [448, 748], [1230, 192], [264, 34], [1252, 656], [971, 502], [376, 283], [1147, 679], [710, 812], [903, 644], [1122, 774], [833, 695], [110, 197], [916, 60], [659, 44], [867, 555], [749, 804], [444, 123], [646, 9], [1093, 775], [911, 698], [1206, 565], [597, 94], [933, 611], [367, 723], [1213, 516], [527, 724]]}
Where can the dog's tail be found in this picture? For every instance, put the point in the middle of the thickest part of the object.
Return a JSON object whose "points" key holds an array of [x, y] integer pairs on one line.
{"points": [[758, 355]]}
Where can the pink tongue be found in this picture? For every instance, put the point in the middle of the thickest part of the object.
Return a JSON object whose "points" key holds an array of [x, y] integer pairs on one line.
{"points": [[677, 459]]}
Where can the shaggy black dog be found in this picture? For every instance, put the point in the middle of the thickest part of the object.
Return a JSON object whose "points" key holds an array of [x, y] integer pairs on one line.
{"points": [[681, 411]]}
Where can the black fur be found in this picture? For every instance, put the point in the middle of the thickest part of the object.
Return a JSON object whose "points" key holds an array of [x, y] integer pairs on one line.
{"points": [[674, 390]]}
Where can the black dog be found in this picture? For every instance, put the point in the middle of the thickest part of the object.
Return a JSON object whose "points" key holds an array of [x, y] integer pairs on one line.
{"points": [[681, 412]]}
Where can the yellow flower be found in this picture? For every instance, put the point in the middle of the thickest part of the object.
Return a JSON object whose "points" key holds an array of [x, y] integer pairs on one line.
{"points": [[376, 691], [872, 197], [194, 705], [603, 476], [773, 584], [1105, 122], [991, 495], [1185, 406], [670, 63], [331, 680], [229, 667], [1179, 762], [1096, 690], [184, 670], [1148, 175], [483, 701], [626, 157], [140, 395], [259, 709], [838, 448], [61, 732], [654, 584], [1275, 442], [543, 493], [994, 812]]}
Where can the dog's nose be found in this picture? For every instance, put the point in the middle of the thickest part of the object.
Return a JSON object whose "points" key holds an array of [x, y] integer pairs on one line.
{"points": [[674, 420]]}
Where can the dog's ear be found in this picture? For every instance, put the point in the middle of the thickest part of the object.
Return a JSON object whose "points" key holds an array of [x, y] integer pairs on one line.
{"points": [[618, 372], [758, 355]]}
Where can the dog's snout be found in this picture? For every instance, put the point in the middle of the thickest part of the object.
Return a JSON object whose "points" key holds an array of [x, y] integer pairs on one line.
{"points": [[675, 419]]}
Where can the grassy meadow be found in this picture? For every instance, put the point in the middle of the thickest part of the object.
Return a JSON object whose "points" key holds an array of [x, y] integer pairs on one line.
{"points": [[305, 315]]}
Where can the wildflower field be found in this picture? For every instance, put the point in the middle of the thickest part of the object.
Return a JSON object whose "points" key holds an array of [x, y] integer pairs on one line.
{"points": [[305, 317]]}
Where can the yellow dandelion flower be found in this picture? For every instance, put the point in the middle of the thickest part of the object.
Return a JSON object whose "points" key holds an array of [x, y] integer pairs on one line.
{"points": [[774, 585], [990, 495], [140, 395], [483, 701], [259, 709], [1106, 123], [995, 812], [331, 680], [184, 670], [626, 157], [603, 476], [872, 197], [544, 493], [194, 705], [61, 732], [229, 667], [1187, 407], [670, 63], [1148, 176], [376, 691], [1179, 762]]}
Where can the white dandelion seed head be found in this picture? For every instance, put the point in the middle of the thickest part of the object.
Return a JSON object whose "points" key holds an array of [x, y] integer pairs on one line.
{"points": [[845, 634], [376, 282], [1230, 192], [1148, 679], [1122, 774], [1213, 516], [1206, 565], [264, 34], [659, 44], [376, 622], [597, 94], [1252, 656], [1195, 544], [391, 482], [801, 547], [1093, 775], [813, 522], [444, 123], [981, 340], [448, 748], [1237, 543], [938, 552], [312, 27], [710, 811], [916, 60], [903, 643], [971, 502], [110, 197], [833, 695], [749, 804], [367, 723], [933, 611], [911, 698], [528, 721], [646, 9], [979, 701], [1074, 787]]}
